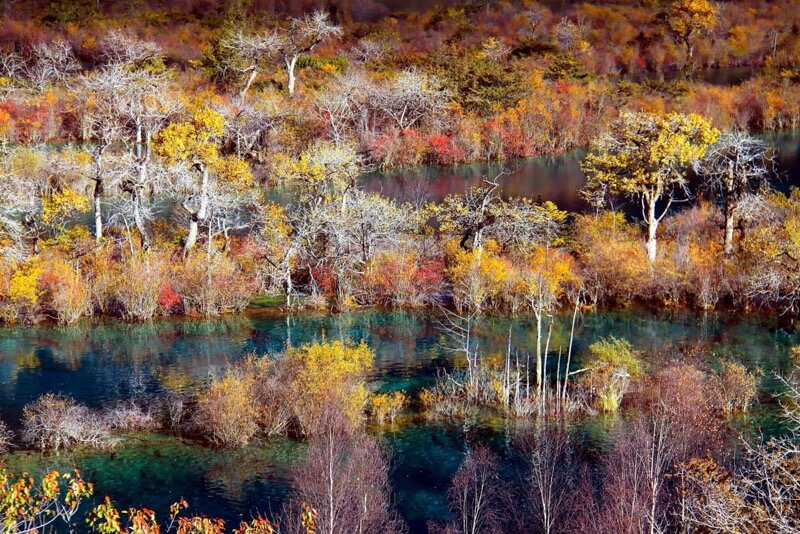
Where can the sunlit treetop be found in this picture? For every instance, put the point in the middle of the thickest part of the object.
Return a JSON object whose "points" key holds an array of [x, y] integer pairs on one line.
{"points": [[194, 141], [644, 151], [690, 17]]}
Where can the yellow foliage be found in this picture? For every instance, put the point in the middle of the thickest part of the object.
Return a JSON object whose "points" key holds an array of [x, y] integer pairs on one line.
{"points": [[24, 284], [62, 204], [477, 275], [192, 141], [234, 171], [545, 276], [226, 412], [330, 372], [687, 17], [387, 405], [644, 152]]}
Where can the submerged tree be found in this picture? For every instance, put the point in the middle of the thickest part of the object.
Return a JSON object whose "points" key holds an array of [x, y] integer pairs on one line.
{"points": [[645, 157]]}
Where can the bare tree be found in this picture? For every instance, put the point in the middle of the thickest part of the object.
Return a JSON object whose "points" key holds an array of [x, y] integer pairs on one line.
{"points": [[103, 127], [345, 479], [50, 63], [633, 479], [736, 166], [369, 49], [300, 36], [410, 98], [121, 48], [475, 494], [253, 51], [340, 105], [551, 478], [249, 126]]}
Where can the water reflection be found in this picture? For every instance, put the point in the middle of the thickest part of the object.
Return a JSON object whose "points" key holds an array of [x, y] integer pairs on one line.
{"points": [[100, 362], [555, 178]]}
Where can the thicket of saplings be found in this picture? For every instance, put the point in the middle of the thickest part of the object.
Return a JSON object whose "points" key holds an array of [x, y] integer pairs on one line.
{"points": [[675, 461]]}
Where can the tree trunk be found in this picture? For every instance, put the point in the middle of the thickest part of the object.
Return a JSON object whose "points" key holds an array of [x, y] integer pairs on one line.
{"points": [[652, 227], [290, 65], [250, 80], [729, 220], [538, 352], [144, 238], [98, 214], [199, 215]]}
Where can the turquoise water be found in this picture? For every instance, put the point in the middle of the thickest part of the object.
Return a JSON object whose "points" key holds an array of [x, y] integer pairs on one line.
{"points": [[101, 362]]}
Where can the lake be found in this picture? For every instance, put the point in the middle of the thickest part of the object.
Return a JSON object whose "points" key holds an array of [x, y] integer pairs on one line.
{"points": [[101, 362], [555, 178]]}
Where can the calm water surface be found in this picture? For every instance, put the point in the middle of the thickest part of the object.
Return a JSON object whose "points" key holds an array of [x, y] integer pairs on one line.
{"points": [[555, 178], [102, 362]]}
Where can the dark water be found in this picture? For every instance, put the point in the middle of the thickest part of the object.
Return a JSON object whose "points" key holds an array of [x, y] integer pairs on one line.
{"points": [[555, 178], [99, 363]]}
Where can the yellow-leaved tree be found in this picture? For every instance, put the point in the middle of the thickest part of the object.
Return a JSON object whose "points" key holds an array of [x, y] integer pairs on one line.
{"points": [[645, 157], [688, 18], [324, 173], [219, 183], [544, 276], [330, 372]]}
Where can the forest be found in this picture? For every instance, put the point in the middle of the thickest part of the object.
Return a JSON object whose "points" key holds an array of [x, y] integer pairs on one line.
{"points": [[166, 167]]}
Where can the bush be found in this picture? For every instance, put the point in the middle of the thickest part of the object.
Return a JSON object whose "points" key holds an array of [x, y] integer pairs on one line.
{"points": [[65, 292], [272, 392], [226, 413], [139, 287], [131, 417], [210, 287], [253, 398], [737, 387], [55, 422], [5, 438], [613, 365], [385, 406], [329, 373]]}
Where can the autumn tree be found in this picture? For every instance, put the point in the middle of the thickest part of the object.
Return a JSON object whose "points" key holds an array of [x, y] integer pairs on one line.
{"points": [[645, 157], [480, 83], [690, 18], [251, 52], [29, 505], [323, 174], [345, 479], [208, 184], [545, 275], [41, 192], [736, 166], [470, 214]]}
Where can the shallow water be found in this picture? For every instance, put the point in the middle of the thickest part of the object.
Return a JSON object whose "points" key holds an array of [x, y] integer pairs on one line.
{"points": [[101, 362]]}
